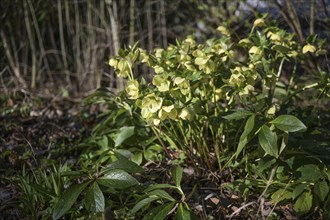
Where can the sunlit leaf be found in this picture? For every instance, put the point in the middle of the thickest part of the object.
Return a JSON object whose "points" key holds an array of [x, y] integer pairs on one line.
{"points": [[288, 123]]}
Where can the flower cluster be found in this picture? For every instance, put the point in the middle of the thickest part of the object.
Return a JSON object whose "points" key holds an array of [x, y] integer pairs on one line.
{"points": [[190, 77]]}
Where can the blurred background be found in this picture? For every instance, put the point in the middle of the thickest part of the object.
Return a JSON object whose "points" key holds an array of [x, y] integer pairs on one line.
{"points": [[63, 46]]}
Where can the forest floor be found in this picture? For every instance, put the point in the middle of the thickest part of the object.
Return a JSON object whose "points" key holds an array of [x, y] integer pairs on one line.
{"points": [[34, 130]]}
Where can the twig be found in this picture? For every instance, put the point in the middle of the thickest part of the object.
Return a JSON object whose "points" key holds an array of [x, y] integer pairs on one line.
{"points": [[241, 208], [261, 198]]}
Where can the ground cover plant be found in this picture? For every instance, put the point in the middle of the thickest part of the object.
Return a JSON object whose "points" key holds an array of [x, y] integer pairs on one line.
{"points": [[223, 121]]}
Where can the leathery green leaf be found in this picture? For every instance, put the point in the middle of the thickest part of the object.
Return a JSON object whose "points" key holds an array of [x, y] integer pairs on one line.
{"points": [[123, 163], [184, 214], [67, 200], [288, 123], [238, 114], [117, 179], [243, 140], [143, 203], [177, 175], [160, 212], [95, 199], [124, 134], [268, 141], [162, 194]]}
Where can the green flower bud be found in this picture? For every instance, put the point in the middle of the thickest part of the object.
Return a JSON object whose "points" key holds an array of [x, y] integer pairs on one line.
{"points": [[223, 30], [308, 48], [255, 50], [113, 62], [259, 22]]}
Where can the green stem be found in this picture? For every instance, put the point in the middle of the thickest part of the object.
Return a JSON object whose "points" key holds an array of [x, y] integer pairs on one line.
{"points": [[313, 85], [273, 86], [156, 132]]}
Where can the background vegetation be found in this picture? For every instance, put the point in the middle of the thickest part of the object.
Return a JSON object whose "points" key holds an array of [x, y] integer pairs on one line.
{"points": [[64, 44]]}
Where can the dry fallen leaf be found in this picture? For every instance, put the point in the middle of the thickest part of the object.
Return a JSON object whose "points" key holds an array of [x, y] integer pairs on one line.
{"points": [[215, 200]]}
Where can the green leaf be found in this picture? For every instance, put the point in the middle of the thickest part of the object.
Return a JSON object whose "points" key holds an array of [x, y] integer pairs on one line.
{"points": [[281, 49], [137, 158], [72, 173], [117, 179], [67, 200], [177, 175], [124, 134], [303, 203], [161, 194], [122, 163], [281, 195], [184, 214], [94, 199], [159, 186], [160, 212], [288, 123], [238, 114], [143, 203], [298, 190], [42, 190], [268, 141], [243, 140], [327, 205], [309, 172], [103, 143], [284, 142], [321, 189]]}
